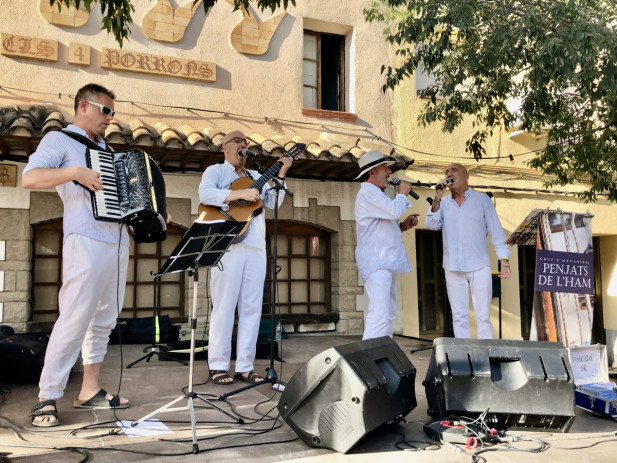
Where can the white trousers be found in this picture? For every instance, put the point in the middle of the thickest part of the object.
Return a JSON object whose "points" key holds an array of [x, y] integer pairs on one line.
{"points": [[458, 285], [241, 284], [381, 290], [89, 301]]}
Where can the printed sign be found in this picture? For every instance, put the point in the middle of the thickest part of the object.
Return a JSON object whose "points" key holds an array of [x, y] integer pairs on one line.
{"points": [[564, 272], [588, 364], [21, 46], [123, 60]]}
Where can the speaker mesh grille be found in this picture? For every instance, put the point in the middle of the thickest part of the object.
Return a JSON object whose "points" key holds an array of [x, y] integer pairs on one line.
{"points": [[334, 420]]}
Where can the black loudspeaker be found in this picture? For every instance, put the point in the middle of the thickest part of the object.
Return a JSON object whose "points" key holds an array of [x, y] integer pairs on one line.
{"points": [[345, 392], [522, 384]]}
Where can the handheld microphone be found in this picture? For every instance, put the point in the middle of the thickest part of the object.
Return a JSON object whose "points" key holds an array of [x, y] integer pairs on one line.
{"points": [[250, 154], [397, 181], [439, 186]]}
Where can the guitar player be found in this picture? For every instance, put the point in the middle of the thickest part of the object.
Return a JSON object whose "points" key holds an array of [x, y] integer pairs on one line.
{"points": [[240, 279]]}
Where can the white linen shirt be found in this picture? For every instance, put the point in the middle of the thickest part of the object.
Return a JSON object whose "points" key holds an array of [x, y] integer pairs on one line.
{"points": [[57, 150], [214, 189], [380, 242], [464, 229]]}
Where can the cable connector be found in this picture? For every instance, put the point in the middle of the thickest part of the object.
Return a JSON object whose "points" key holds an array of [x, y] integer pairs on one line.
{"points": [[506, 439], [455, 447]]}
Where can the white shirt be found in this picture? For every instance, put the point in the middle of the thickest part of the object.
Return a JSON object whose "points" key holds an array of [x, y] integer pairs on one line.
{"points": [[214, 189], [380, 242], [57, 150], [464, 229]]}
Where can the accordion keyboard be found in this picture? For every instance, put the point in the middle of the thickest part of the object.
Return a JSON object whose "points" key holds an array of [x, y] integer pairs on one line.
{"points": [[108, 201]]}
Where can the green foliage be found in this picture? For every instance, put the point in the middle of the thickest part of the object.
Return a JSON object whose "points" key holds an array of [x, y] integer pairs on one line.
{"points": [[117, 14], [558, 59]]}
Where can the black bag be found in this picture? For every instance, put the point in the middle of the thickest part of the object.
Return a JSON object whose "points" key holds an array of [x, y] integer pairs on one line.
{"points": [[139, 330], [21, 358]]}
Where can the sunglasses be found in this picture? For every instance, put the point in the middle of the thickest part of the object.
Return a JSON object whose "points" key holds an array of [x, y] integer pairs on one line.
{"points": [[239, 140], [105, 110]]}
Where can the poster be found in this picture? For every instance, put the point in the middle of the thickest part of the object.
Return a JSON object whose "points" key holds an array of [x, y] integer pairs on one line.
{"points": [[563, 313], [564, 279]]}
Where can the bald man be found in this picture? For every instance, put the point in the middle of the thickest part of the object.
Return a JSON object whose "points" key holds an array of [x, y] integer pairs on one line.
{"points": [[465, 217], [240, 279]]}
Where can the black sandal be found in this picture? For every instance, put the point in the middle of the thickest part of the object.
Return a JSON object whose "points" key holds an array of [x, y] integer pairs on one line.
{"points": [[222, 376], [37, 410], [251, 377]]}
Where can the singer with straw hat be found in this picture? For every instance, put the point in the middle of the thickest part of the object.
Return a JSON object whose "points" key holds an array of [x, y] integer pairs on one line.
{"points": [[380, 252]]}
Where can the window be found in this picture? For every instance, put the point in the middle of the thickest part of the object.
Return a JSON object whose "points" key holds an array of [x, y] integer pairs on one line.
{"points": [[143, 258], [424, 79], [323, 71], [46, 270], [150, 257], [304, 261]]}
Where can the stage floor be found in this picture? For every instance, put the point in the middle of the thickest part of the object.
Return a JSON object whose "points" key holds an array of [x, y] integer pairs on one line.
{"points": [[151, 385]]}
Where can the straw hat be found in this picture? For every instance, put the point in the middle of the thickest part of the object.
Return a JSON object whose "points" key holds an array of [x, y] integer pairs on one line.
{"points": [[371, 159]]}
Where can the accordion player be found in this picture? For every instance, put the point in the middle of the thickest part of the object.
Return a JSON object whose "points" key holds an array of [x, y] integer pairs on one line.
{"points": [[133, 192]]}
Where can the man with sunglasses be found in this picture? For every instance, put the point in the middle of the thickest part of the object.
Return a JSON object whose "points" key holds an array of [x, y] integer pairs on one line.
{"points": [[240, 279], [94, 259]]}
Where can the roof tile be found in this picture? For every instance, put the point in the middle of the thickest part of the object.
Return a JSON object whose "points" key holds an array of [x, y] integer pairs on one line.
{"points": [[192, 147]]}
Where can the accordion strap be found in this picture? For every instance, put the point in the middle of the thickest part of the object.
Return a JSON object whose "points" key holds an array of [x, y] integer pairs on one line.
{"points": [[83, 140]]}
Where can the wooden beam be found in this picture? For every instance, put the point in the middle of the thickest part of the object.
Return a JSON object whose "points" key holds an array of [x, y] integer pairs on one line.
{"points": [[3, 148], [166, 157], [188, 158]]}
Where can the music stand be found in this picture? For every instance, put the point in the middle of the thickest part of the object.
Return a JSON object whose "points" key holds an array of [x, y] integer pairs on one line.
{"points": [[203, 245]]}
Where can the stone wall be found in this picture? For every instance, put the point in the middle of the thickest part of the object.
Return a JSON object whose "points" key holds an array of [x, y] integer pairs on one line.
{"points": [[344, 271], [15, 268], [15, 230]]}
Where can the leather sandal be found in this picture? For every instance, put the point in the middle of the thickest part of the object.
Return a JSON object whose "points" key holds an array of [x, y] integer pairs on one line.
{"points": [[251, 377], [220, 377], [37, 410]]}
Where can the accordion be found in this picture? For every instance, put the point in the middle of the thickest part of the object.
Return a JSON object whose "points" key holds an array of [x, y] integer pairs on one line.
{"points": [[133, 192]]}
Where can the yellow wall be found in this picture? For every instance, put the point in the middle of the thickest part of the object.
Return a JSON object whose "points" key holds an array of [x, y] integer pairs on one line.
{"points": [[497, 173], [608, 245]]}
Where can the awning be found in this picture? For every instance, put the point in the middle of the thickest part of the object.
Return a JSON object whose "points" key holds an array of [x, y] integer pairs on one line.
{"points": [[191, 148]]}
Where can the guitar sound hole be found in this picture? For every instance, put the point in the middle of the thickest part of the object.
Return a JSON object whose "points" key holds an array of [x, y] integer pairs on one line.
{"points": [[243, 202]]}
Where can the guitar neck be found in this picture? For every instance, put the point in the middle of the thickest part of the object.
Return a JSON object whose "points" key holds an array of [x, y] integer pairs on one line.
{"points": [[267, 176], [274, 169]]}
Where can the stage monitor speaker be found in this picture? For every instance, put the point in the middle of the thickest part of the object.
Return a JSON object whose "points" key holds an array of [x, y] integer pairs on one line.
{"points": [[345, 392], [522, 384]]}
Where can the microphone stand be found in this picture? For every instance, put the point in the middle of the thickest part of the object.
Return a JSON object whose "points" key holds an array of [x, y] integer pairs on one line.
{"points": [[271, 376]]}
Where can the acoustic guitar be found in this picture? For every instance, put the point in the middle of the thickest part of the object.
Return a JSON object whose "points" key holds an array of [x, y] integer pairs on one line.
{"points": [[241, 210]]}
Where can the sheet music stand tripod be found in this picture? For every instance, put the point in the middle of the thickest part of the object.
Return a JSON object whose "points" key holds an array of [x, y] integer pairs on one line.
{"points": [[203, 245]]}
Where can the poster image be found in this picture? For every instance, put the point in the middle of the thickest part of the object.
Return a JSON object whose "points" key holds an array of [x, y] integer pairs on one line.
{"points": [[564, 296]]}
